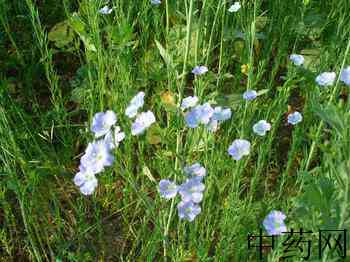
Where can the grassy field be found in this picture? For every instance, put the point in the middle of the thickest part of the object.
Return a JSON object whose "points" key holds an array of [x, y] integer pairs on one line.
{"points": [[64, 61]]}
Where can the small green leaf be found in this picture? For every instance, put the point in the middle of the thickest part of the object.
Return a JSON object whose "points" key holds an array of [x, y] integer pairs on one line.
{"points": [[147, 173], [165, 55], [87, 42], [61, 34], [79, 27], [154, 135], [77, 24], [262, 91], [260, 23], [312, 58], [330, 115]]}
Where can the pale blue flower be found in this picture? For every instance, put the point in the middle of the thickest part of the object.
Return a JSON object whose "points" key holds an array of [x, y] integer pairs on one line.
{"points": [[113, 138], [200, 70], [192, 190], [86, 181], [250, 95], [195, 170], [213, 125], [188, 210], [239, 148], [274, 223], [235, 7], [188, 102], [205, 113], [295, 118], [297, 60], [345, 76], [168, 189], [135, 104], [326, 79], [102, 123], [221, 114], [143, 121], [200, 114], [156, 2], [261, 127], [105, 10], [97, 156], [191, 118]]}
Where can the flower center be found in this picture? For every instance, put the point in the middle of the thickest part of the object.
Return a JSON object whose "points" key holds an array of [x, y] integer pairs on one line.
{"points": [[192, 190], [277, 224], [99, 157], [89, 177], [104, 124], [171, 187]]}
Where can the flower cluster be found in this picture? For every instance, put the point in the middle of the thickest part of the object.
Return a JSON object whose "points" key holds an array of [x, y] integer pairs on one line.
{"points": [[143, 120], [204, 114], [98, 154], [107, 136], [328, 78], [324, 79], [191, 191]]}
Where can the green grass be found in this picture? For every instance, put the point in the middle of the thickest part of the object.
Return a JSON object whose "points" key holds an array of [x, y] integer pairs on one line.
{"points": [[55, 76]]}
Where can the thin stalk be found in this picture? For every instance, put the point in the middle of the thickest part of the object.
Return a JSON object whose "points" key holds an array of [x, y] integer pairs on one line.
{"points": [[178, 136]]}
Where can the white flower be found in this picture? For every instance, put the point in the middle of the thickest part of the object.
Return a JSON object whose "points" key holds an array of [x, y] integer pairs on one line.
{"points": [[188, 102], [213, 125], [239, 148], [250, 95], [295, 118], [135, 104], [105, 10], [345, 76], [297, 60], [113, 138], [143, 121], [102, 123], [326, 79], [235, 7], [261, 127], [86, 181]]}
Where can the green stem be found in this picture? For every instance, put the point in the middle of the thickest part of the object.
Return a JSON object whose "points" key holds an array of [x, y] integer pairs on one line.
{"points": [[178, 137]]}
